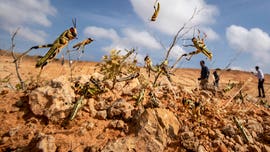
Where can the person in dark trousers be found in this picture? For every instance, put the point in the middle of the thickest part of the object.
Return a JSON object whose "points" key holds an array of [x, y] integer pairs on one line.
{"points": [[204, 75], [260, 77], [216, 76]]}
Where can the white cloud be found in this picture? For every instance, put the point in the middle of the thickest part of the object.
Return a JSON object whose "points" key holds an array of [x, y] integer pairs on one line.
{"points": [[30, 34], [130, 38], [237, 68], [97, 32], [253, 41], [174, 13], [176, 52], [211, 34], [141, 38], [21, 13]]}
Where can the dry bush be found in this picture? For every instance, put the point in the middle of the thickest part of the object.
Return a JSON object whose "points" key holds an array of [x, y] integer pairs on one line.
{"points": [[117, 67]]}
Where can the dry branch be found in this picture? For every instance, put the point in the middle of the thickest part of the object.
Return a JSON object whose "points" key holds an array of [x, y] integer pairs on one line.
{"points": [[70, 64], [119, 67], [226, 104], [16, 61], [227, 67], [163, 68], [176, 37], [178, 60]]}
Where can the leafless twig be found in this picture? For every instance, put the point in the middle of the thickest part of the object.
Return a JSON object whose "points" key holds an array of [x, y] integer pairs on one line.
{"points": [[17, 62], [164, 63], [176, 37], [226, 104]]}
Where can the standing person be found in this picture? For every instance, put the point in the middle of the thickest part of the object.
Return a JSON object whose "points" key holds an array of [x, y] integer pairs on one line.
{"points": [[260, 77], [204, 75], [216, 76]]}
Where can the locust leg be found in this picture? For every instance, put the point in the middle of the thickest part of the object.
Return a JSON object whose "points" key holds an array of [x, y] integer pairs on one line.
{"points": [[178, 60], [39, 74], [148, 70], [193, 53], [34, 47]]}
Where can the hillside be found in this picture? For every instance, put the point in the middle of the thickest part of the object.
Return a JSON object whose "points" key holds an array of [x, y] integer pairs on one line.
{"points": [[36, 118]]}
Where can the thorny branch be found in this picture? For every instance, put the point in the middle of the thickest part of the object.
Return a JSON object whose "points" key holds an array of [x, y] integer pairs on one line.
{"points": [[176, 37], [164, 64], [226, 104], [230, 62], [70, 64], [17, 62]]}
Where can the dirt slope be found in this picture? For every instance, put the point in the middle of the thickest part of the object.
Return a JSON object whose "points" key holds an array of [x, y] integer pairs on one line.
{"points": [[19, 126]]}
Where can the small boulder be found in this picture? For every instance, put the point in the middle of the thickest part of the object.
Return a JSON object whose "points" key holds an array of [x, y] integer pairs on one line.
{"points": [[120, 108]]}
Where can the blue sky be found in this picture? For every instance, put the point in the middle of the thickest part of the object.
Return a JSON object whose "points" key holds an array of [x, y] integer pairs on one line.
{"points": [[237, 30]]}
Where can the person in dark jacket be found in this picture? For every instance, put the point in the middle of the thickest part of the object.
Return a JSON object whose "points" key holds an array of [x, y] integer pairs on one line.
{"points": [[216, 76], [204, 75]]}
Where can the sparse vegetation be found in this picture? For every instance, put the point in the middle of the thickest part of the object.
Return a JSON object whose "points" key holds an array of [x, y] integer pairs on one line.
{"points": [[126, 106], [17, 62], [118, 67]]}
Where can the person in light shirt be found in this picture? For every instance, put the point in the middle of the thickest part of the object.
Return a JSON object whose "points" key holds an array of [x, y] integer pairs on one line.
{"points": [[260, 77]]}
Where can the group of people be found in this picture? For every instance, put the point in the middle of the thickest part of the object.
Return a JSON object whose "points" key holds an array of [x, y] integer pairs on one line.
{"points": [[205, 75]]}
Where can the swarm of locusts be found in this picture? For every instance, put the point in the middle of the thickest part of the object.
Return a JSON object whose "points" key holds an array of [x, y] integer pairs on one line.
{"points": [[114, 67], [55, 47]]}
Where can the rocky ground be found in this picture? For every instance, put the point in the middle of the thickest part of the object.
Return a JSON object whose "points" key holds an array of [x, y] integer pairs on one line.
{"points": [[180, 116]]}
